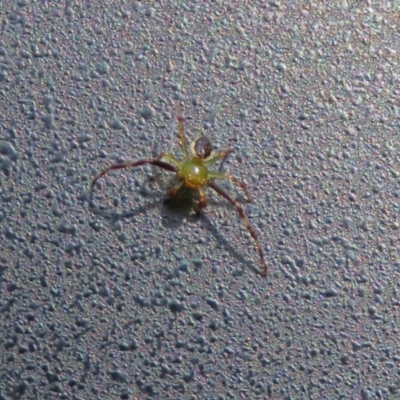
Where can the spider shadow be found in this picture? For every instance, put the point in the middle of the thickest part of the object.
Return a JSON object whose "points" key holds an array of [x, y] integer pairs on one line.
{"points": [[175, 212], [221, 239], [114, 216]]}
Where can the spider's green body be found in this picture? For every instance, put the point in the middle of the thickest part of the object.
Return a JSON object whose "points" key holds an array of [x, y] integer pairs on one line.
{"points": [[193, 173]]}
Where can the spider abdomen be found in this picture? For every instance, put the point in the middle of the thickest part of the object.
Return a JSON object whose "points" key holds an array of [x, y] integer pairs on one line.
{"points": [[194, 173]]}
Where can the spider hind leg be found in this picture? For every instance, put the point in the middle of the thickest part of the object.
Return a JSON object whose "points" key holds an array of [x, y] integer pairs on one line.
{"points": [[246, 221]]}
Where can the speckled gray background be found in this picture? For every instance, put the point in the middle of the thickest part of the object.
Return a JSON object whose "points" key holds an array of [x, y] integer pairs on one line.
{"points": [[134, 299]]}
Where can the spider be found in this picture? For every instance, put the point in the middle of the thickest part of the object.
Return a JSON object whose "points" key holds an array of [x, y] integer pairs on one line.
{"points": [[193, 172]]}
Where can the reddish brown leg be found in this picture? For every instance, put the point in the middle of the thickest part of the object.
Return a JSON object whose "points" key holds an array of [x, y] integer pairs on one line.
{"points": [[203, 198], [246, 221], [131, 164], [241, 185], [175, 189]]}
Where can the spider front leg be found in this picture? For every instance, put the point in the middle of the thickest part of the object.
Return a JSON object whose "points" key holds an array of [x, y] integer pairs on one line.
{"points": [[132, 164], [181, 129], [170, 158], [222, 156], [246, 222]]}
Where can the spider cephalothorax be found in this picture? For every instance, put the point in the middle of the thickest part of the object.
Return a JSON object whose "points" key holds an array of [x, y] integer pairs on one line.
{"points": [[193, 172]]}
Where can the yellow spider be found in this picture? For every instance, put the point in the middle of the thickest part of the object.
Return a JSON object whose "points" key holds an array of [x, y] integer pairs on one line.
{"points": [[193, 172]]}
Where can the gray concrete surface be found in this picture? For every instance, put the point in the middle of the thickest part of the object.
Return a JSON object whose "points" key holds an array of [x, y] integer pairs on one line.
{"points": [[136, 299]]}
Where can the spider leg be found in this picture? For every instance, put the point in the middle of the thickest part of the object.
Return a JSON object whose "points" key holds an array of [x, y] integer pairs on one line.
{"points": [[181, 129], [170, 158], [175, 188], [246, 221], [218, 157], [132, 164], [237, 182], [203, 198]]}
